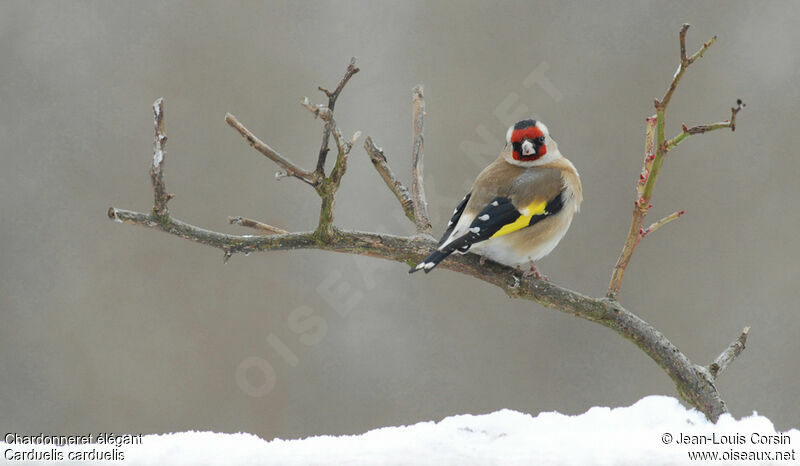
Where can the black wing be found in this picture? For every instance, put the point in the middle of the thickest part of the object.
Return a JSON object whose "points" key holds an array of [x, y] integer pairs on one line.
{"points": [[553, 207], [497, 214], [451, 225]]}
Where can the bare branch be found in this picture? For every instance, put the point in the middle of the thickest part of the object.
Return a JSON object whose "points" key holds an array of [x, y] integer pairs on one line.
{"points": [[160, 194], [654, 159], [699, 53], [683, 65], [727, 356], [326, 114], [649, 153], [682, 40], [700, 129], [317, 110], [655, 226], [694, 383], [661, 107], [289, 168], [330, 184], [246, 222], [349, 72], [332, 96], [417, 186], [378, 159], [343, 150], [410, 250], [343, 146], [640, 208]]}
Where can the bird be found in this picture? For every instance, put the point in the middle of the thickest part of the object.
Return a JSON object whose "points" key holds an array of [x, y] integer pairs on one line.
{"points": [[519, 207]]}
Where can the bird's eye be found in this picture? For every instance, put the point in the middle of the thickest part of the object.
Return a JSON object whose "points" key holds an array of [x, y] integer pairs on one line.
{"points": [[540, 140]]}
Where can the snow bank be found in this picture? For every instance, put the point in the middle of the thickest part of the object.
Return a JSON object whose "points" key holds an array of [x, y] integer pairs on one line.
{"points": [[646, 433]]}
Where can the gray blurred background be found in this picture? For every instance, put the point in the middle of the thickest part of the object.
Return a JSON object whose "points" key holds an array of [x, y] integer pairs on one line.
{"points": [[107, 327]]}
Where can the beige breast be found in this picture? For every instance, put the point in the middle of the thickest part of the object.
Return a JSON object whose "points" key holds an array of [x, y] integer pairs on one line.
{"points": [[534, 242]]}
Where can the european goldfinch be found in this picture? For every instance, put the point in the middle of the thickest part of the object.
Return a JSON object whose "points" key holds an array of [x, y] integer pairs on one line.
{"points": [[519, 207]]}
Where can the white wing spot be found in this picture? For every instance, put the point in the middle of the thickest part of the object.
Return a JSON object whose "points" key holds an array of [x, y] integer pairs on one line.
{"points": [[484, 217], [450, 223], [429, 265], [495, 203], [475, 229]]}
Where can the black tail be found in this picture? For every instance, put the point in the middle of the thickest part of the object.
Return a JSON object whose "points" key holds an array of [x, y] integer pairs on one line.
{"points": [[432, 260]]}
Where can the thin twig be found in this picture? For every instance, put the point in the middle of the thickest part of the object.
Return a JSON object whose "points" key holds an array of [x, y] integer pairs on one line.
{"points": [[378, 159], [160, 194], [682, 40], [700, 129], [661, 107], [640, 208], [653, 162], [317, 110], [684, 64], [655, 226], [326, 114], [246, 222], [332, 96], [290, 168], [343, 150], [417, 156], [727, 356], [649, 153]]}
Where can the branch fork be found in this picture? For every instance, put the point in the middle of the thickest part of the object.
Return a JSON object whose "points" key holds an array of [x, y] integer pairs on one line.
{"points": [[656, 149], [694, 383]]}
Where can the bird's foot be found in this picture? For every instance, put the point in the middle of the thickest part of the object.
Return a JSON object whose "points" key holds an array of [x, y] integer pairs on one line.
{"points": [[482, 260], [534, 272]]}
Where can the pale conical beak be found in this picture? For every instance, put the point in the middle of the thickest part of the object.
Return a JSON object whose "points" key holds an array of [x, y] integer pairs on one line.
{"points": [[528, 148]]}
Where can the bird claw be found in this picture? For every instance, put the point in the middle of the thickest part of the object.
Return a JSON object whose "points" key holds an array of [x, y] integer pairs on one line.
{"points": [[534, 272]]}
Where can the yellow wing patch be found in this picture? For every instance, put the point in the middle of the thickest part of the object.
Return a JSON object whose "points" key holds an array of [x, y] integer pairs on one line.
{"points": [[534, 208]]}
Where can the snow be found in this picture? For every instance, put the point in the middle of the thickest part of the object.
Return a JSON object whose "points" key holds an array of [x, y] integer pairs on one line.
{"points": [[158, 157], [116, 217], [631, 435]]}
